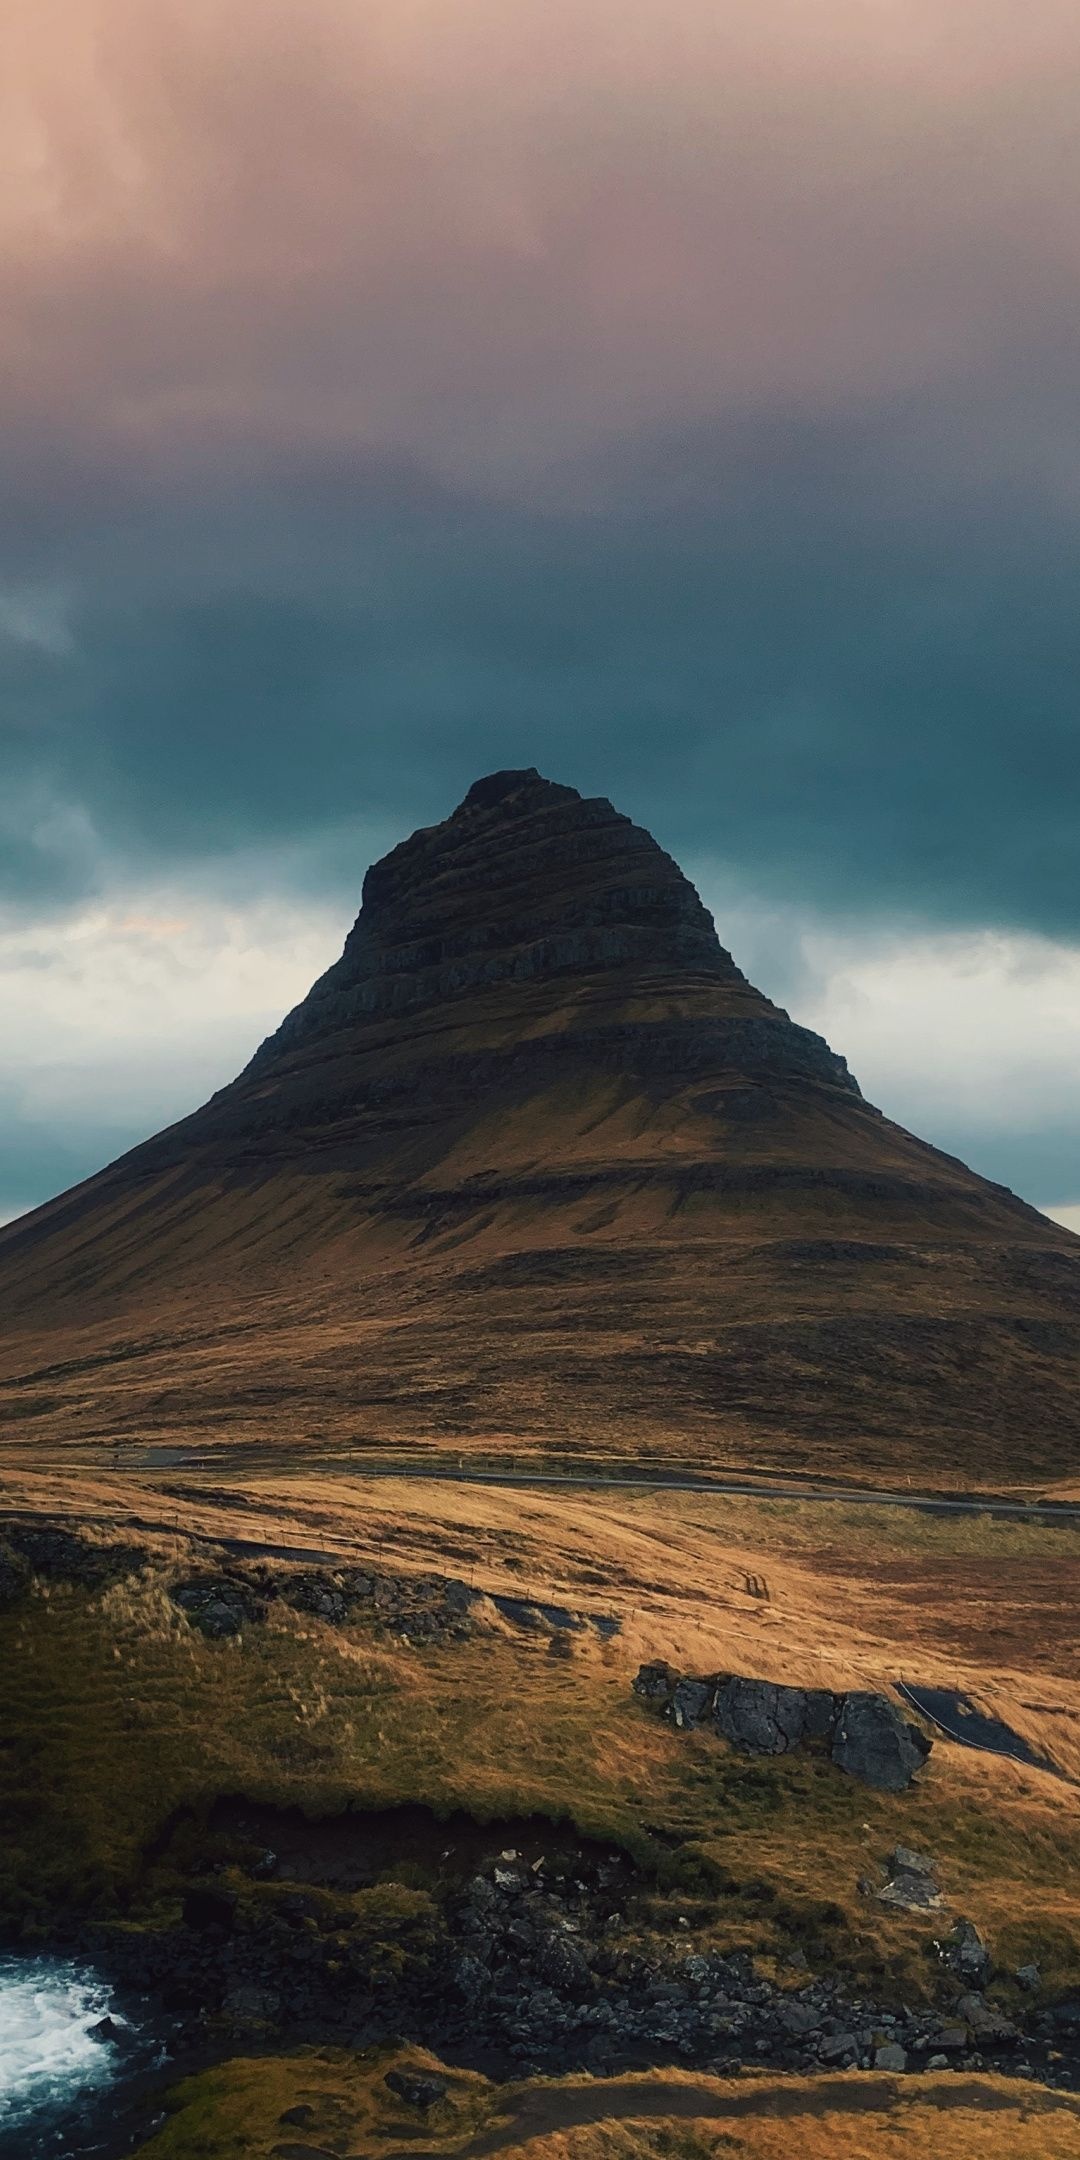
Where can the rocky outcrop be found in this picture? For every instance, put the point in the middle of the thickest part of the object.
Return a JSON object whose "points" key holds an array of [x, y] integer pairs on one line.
{"points": [[430, 1609], [864, 1733], [218, 1606], [537, 1962], [526, 880], [766, 1720], [56, 1554], [872, 1742]]}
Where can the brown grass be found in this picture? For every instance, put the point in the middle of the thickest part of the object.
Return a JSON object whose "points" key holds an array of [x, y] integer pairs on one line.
{"points": [[233, 2113], [118, 1713]]}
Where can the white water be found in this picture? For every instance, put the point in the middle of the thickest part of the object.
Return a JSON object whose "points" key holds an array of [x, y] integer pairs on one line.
{"points": [[47, 2057]]}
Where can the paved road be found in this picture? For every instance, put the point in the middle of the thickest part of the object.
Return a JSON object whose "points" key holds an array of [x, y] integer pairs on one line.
{"points": [[960, 1719], [1044, 1511]]}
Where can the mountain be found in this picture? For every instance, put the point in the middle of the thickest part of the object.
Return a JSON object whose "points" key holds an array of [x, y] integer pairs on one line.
{"points": [[534, 1167]]}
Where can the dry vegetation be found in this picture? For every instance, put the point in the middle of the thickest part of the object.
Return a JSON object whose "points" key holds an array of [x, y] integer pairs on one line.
{"points": [[116, 1713], [233, 2113]]}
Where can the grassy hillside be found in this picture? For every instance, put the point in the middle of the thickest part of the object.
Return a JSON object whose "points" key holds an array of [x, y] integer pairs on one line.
{"points": [[235, 2113], [117, 1714]]}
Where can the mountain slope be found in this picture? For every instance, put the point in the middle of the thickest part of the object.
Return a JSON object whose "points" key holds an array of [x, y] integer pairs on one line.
{"points": [[534, 1166]]}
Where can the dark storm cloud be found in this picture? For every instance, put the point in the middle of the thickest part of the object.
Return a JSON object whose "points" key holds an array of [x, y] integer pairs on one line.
{"points": [[803, 646], [682, 401]]}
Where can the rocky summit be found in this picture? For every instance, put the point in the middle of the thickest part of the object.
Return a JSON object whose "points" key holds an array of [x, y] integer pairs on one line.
{"points": [[535, 1170]]}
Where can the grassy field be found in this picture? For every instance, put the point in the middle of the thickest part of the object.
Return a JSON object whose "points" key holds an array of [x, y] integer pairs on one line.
{"points": [[234, 2113], [116, 1714]]}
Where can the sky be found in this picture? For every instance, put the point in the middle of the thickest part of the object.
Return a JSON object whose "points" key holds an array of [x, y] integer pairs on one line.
{"points": [[679, 395]]}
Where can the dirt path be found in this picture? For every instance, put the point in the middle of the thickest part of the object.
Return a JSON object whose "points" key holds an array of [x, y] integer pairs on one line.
{"points": [[544, 2109]]}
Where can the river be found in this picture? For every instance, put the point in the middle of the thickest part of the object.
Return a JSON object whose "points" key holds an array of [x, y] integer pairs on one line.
{"points": [[50, 2061]]}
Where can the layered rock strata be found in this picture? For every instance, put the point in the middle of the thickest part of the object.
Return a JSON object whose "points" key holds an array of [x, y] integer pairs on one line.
{"points": [[534, 1168]]}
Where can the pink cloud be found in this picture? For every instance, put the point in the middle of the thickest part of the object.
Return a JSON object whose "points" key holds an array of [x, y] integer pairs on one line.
{"points": [[494, 234]]}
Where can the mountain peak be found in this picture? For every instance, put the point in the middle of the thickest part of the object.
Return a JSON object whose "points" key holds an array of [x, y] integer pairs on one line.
{"points": [[534, 1164], [521, 785], [526, 880]]}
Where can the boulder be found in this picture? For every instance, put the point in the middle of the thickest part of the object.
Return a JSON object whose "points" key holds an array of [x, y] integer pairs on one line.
{"points": [[564, 1966], [873, 1743], [890, 2057], [966, 1954], [910, 1882], [839, 2048], [419, 2091], [763, 1718], [105, 2029], [988, 2025]]}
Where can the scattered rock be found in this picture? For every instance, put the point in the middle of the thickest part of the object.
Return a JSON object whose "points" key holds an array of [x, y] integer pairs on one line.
{"points": [[416, 2090], [218, 1606], [298, 2117], [1029, 1978], [318, 1595], [875, 1744], [950, 2040], [910, 1883], [966, 1954], [989, 2026], [890, 2057]]}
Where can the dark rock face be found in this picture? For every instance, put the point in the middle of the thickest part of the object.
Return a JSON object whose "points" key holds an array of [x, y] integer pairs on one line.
{"points": [[525, 879], [867, 1735], [874, 1743], [767, 1720]]}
